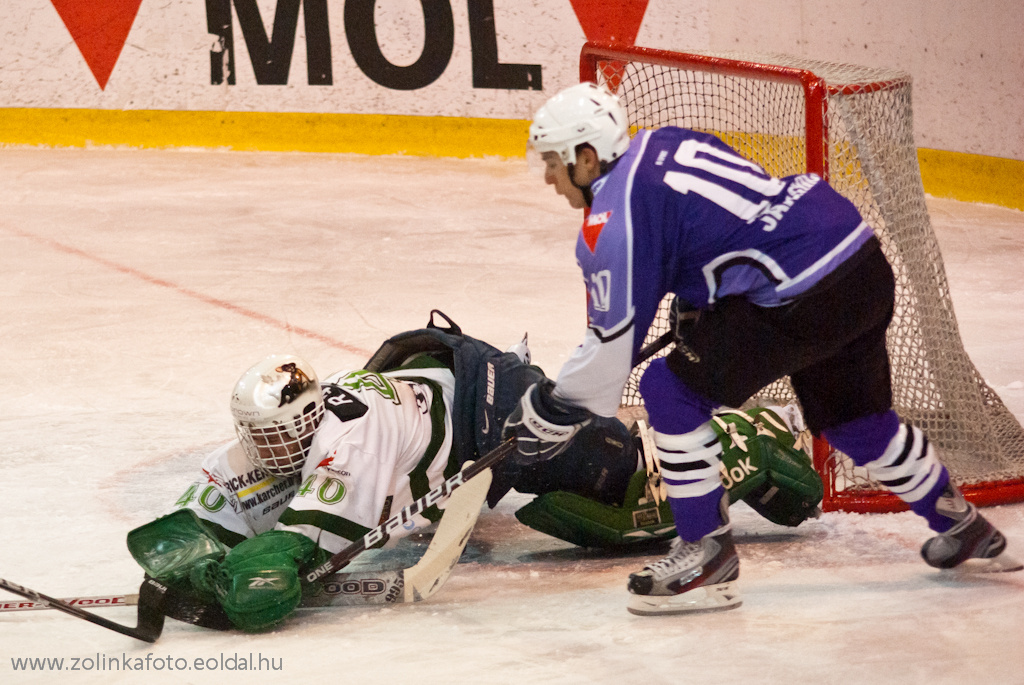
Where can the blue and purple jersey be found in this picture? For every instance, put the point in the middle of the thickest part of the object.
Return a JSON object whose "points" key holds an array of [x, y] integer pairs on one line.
{"points": [[681, 212]]}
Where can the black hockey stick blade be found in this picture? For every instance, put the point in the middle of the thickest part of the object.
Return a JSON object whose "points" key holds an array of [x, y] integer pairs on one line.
{"points": [[150, 622], [656, 346], [438, 494]]}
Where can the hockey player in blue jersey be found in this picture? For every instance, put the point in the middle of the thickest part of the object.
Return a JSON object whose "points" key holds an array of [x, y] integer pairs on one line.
{"points": [[771, 277]]}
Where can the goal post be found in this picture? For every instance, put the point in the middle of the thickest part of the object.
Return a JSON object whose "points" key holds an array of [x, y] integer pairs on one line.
{"points": [[851, 125]]}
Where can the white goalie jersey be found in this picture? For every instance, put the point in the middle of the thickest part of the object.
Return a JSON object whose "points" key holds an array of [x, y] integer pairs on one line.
{"points": [[385, 440]]}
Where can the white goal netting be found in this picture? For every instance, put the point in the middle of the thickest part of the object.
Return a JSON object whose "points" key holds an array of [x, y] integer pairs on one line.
{"points": [[852, 125]]}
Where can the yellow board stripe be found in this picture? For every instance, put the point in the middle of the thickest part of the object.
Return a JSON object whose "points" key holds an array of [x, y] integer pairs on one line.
{"points": [[956, 175], [374, 134], [972, 178]]}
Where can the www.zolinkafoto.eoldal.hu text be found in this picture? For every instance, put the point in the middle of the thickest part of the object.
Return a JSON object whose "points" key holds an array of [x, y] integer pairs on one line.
{"points": [[150, 662]]}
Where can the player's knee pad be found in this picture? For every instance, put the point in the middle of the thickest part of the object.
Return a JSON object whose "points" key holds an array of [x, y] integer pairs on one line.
{"points": [[908, 467]]}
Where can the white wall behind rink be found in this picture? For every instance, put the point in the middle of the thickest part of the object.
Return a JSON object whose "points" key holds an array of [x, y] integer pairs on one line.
{"points": [[967, 59]]}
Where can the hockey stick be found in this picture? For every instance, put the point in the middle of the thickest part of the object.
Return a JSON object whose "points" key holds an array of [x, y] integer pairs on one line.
{"points": [[92, 601], [420, 581], [656, 346], [149, 625], [375, 535], [412, 584]]}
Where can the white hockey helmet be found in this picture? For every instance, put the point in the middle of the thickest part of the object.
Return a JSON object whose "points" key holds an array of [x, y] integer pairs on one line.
{"points": [[584, 113], [277, 406]]}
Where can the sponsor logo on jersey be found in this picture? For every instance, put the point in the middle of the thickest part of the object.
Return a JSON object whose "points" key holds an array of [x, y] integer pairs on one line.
{"points": [[284, 487], [343, 404], [327, 463], [600, 290], [421, 400], [249, 481], [592, 228]]}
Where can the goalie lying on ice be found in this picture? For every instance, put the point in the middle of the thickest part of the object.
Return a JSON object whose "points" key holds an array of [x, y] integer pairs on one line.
{"points": [[316, 465]]}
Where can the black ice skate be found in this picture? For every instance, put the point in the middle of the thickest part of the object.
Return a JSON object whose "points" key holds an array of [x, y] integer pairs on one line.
{"points": [[972, 544], [694, 577]]}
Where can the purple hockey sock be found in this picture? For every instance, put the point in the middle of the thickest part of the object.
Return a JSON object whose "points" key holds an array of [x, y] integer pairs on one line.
{"points": [[697, 516], [866, 438], [673, 408]]}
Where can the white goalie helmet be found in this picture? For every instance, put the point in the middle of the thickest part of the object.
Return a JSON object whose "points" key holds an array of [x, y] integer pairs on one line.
{"points": [[584, 113], [277, 405]]}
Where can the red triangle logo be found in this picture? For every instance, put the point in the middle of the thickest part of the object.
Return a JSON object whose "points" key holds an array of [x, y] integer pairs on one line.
{"points": [[99, 29], [615, 21], [592, 227]]}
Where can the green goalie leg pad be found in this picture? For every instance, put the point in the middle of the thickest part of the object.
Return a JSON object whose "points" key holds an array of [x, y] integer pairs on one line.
{"points": [[793, 489], [588, 523], [761, 466]]}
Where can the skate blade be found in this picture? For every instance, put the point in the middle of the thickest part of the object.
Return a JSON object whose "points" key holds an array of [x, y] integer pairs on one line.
{"points": [[1003, 563], [717, 597]]}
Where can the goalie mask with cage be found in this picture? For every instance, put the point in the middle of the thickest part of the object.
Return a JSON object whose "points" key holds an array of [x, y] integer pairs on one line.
{"points": [[584, 113], [277, 405]]}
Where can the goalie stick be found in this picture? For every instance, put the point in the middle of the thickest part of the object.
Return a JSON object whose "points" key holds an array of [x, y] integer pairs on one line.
{"points": [[375, 535], [420, 581]]}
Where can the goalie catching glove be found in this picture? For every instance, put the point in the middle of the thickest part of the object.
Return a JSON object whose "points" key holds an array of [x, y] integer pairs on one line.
{"points": [[542, 424], [259, 582]]}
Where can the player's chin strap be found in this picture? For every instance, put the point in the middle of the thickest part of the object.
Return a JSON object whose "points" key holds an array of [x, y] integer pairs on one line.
{"points": [[657, 491]]}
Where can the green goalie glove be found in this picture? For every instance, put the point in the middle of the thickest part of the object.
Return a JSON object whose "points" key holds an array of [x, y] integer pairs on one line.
{"points": [[172, 547], [259, 583], [254, 585], [761, 465]]}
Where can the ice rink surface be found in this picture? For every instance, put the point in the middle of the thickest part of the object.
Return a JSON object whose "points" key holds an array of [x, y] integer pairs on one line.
{"points": [[137, 286]]}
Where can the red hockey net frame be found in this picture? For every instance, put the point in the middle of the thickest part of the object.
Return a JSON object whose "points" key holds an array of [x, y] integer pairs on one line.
{"points": [[813, 148]]}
